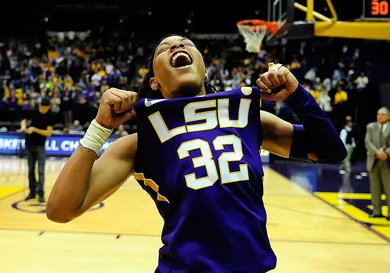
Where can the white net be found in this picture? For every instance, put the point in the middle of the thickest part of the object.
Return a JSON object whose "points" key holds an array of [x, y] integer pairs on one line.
{"points": [[253, 36]]}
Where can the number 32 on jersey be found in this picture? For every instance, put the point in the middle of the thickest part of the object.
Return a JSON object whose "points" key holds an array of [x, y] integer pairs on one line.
{"points": [[206, 160]]}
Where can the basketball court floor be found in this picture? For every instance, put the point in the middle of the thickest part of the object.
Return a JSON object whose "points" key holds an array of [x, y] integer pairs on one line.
{"points": [[317, 223]]}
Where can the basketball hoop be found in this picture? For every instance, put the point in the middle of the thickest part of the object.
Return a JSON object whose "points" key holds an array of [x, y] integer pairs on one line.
{"points": [[254, 31]]}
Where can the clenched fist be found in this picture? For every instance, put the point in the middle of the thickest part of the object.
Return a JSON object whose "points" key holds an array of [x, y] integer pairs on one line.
{"points": [[116, 107], [278, 76], [30, 130]]}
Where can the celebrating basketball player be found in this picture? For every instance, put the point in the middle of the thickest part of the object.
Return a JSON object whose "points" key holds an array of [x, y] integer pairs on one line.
{"points": [[196, 153]]}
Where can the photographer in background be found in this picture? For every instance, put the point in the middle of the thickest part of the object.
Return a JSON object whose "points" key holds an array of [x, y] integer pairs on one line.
{"points": [[37, 125]]}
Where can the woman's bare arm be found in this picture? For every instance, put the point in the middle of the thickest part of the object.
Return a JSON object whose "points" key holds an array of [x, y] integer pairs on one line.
{"points": [[85, 181], [277, 134]]}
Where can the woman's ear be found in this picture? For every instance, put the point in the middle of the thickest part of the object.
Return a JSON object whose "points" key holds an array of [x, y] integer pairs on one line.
{"points": [[154, 83], [206, 77]]}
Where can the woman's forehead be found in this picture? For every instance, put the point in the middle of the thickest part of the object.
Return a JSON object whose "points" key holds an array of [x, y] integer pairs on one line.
{"points": [[172, 39]]}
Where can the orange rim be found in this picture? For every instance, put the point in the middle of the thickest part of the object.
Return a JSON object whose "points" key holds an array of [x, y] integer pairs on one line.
{"points": [[253, 24]]}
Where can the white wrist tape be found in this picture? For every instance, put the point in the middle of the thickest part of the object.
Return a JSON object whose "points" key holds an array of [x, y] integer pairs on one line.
{"points": [[95, 136]]}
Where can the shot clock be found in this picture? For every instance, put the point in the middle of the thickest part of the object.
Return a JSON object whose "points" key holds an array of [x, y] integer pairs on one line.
{"points": [[376, 9]]}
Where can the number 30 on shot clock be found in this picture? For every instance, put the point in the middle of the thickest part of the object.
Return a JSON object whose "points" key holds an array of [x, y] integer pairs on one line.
{"points": [[376, 9]]}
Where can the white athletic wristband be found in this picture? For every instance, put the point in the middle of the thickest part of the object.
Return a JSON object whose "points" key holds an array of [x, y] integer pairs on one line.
{"points": [[95, 136]]}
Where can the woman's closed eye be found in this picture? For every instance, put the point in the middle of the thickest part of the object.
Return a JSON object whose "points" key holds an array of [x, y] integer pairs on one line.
{"points": [[162, 49]]}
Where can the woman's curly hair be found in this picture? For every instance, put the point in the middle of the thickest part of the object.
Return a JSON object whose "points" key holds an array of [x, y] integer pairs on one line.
{"points": [[145, 91]]}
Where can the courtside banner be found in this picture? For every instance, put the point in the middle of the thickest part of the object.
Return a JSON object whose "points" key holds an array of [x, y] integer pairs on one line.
{"points": [[12, 143]]}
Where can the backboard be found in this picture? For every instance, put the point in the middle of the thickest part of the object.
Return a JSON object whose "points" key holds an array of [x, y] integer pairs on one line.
{"points": [[370, 21], [283, 12]]}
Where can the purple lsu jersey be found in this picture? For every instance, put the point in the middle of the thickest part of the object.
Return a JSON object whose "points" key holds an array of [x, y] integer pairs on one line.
{"points": [[199, 160]]}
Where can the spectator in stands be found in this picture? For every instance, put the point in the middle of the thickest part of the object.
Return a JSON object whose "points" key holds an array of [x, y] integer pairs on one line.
{"points": [[338, 73], [28, 105], [67, 107], [76, 126], [325, 101], [12, 106], [65, 130], [316, 93], [311, 75], [317, 84], [340, 107], [295, 64], [33, 96], [327, 84], [55, 103], [340, 96], [121, 130], [361, 82], [37, 125], [104, 86]]}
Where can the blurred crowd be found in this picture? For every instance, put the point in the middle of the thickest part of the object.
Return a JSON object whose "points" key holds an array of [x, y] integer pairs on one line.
{"points": [[75, 73]]}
